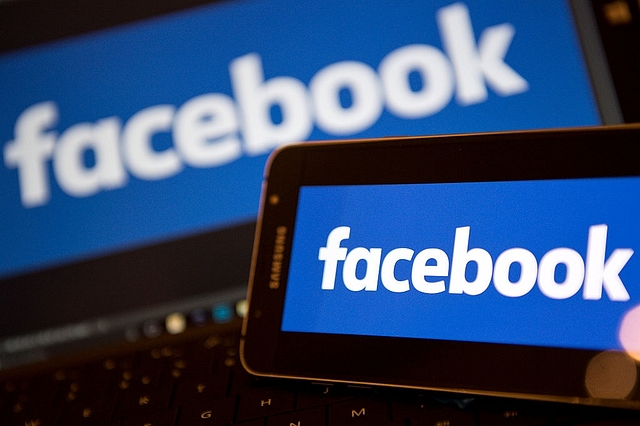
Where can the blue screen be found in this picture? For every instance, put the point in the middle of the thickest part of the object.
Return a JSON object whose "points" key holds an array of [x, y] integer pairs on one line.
{"points": [[544, 263], [161, 128]]}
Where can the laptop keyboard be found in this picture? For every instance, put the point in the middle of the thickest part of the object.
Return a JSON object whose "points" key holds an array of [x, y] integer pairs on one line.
{"points": [[201, 382]]}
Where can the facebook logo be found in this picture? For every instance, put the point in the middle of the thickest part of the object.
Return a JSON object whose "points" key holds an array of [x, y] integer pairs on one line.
{"points": [[596, 274], [214, 129], [547, 263]]}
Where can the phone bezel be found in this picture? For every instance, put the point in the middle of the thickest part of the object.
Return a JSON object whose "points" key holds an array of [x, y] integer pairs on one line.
{"points": [[482, 368]]}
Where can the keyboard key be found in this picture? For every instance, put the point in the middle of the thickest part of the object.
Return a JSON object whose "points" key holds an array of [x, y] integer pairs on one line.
{"points": [[315, 395], [138, 402], [515, 416], [201, 389], [39, 417], [359, 412], [167, 418], [312, 417], [92, 412], [445, 416], [411, 407], [149, 372], [213, 413], [264, 402]]}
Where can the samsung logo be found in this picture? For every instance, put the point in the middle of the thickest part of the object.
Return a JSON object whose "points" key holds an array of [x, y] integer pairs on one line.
{"points": [[276, 259]]}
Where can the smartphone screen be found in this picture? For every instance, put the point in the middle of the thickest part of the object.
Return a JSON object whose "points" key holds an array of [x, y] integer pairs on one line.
{"points": [[537, 262], [496, 264]]}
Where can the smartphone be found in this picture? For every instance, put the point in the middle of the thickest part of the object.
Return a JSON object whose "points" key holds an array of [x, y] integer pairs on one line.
{"points": [[496, 264]]}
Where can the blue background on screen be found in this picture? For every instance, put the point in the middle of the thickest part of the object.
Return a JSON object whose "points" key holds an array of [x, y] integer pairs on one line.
{"points": [[538, 216], [169, 60]]}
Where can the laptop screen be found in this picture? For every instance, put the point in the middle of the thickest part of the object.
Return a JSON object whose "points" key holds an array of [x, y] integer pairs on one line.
{"points": [[143, 143]]}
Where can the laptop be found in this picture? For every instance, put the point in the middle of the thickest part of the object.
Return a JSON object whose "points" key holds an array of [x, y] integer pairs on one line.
{"points": [[134, 138]]}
